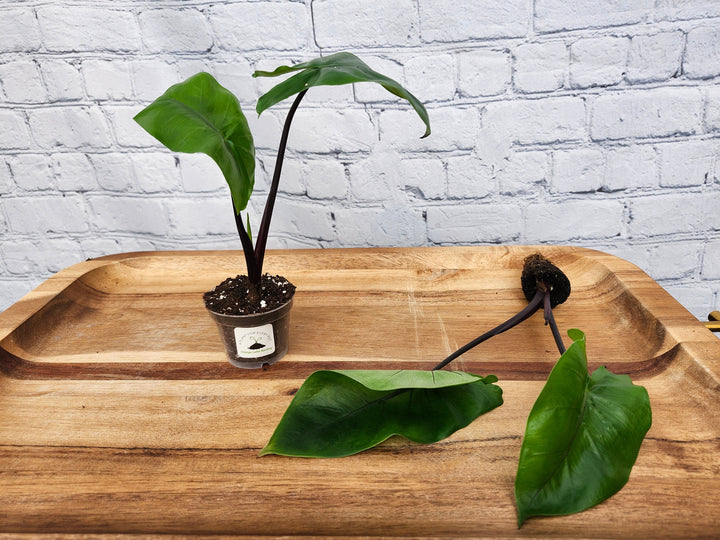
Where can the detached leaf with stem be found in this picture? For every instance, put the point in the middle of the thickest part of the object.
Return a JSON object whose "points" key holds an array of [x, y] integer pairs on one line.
{"points": [[339, 413]]}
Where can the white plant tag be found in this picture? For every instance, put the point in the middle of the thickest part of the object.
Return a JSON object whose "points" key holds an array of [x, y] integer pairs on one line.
{"points": [[255, 342]]}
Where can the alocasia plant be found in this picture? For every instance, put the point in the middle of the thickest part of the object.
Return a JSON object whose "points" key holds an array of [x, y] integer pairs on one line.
{"points": [[199, 115]]}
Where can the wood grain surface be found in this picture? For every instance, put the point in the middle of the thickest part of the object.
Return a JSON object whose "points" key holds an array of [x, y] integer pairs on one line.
{"points": [[119, 413]]}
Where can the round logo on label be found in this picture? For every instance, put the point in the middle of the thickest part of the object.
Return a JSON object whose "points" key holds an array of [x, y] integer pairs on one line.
{"points": [[255, 342]]}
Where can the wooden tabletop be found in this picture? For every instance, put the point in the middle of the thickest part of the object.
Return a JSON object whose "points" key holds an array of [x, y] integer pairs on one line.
{"points": [[119, 412]]}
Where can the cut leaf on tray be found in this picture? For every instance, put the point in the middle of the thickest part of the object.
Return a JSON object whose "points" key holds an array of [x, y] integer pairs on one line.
{"points": [[582, 438], [340, 413]]}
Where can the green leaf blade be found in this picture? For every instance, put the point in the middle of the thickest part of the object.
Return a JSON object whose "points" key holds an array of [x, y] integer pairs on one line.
{"points": [[333, 70], [335, 415], [582, 438], [198, 115]]}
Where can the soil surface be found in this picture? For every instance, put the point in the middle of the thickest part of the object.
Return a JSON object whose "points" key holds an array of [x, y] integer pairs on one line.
{"points": [[236, 296]]}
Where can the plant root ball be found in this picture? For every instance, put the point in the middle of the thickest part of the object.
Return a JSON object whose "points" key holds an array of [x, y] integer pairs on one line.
{"points": [[540, 272]]}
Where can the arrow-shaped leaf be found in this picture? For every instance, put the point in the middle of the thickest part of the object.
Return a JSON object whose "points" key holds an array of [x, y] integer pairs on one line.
{"points": [[340, 413], [199, 115], [582, 437], [336, 69]]}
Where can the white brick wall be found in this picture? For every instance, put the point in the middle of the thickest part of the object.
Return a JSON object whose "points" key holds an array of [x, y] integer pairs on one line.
{"points": [[592, 122]]}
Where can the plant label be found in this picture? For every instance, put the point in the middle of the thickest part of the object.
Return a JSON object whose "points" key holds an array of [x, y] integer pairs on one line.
{"points": [[255, 342]]}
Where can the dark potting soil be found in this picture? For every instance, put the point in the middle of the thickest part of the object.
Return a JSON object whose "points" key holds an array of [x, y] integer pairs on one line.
{"points": [[234, 297]]}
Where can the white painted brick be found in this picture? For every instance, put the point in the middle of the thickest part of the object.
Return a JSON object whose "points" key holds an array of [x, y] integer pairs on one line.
{"points": [[673, 214], [22, 257], [386, 176], [6, 182], [98, 247], [323, 179], [537, 121], [29, 256], [32, 172], [244, 25], [236, 76], [62, 80], [369, 227], [33, 215], [541, 67], [578, 170], [74, 172], [702, 53], [70, 127], [470, 19], [152, 77], [712, 109], [266, 129], [11, 290], [128, 214], [200, 174], [674, 260], [474, 223], [66, 252], [201, 217], [13, 130], [697, 298], [523, 172], [566, 221], [468, 177], [452, 128], [325, 131], [660, 112], [557, 15], [711, 260], [685, 164], [378, 177], [175, 30], [629, 167], [598, 61], [483, 73], [697, 9], [433, 75], [113, 171], [292, 179], [107, 79], [126, 130], [21, 82], [300, 219], [20, 30], [365, 23], [190, 65], [83, 28], [655, 57], [424, 178], [155, 172]]}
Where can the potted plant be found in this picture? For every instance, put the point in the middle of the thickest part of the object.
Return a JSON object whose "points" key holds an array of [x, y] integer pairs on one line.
{"points": [[199, 115]]}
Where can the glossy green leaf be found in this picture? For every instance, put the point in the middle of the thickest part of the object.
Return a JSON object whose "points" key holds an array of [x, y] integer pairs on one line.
{"points": [[582, 437], [340, 413], [336, 69], [199, 115]]}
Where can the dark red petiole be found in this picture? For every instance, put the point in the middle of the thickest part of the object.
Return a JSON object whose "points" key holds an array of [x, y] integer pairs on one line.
{"points": [[543, 284]]}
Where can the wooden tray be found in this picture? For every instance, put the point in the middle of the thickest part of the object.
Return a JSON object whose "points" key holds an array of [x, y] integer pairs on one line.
{"points": [[120, 414]]}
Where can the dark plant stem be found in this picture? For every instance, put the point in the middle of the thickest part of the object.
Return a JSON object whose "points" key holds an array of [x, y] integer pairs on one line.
{"points": [[262, 235], [531, 308], [550, 319]]}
